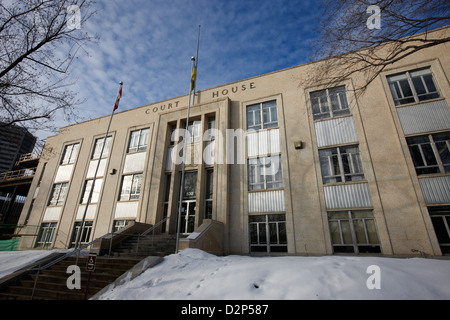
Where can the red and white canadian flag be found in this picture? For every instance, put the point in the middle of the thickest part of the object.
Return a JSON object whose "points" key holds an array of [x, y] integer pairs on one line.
{"points": [[119, 95]]}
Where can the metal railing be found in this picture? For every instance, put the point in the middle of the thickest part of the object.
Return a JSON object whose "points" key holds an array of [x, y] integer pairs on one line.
{"points": [[84, 246], [11, 175], [29, 156], [65, 256]]}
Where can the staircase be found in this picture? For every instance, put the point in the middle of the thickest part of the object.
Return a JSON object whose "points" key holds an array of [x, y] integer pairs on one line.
{"points": [[52, 282], [151, 245]]}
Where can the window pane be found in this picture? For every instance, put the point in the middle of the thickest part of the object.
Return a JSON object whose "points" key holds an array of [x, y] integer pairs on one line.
{"points": [[190, 185], [346, 232], [430, 83], [335, 232], [419, 86], [270, 116], [359, 230], [126, 188], [254, 117], [319, 103]]}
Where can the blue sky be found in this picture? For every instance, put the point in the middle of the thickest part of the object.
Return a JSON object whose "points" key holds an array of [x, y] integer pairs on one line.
{"points": [[148, 44]]}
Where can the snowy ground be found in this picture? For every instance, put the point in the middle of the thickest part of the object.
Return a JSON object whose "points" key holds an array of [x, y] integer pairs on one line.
{"points": [[195, 275]]}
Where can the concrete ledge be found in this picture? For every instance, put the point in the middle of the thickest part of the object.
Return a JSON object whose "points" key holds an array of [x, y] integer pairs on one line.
{"points": [[208, 237], [138, 269]]}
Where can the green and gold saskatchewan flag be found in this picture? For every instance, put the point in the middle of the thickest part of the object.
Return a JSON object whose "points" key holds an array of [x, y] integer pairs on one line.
{"points": [[193, 77]]}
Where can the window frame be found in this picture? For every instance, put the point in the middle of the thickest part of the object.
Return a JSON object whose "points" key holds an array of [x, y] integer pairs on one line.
{"points": [[440, 218], [72, 158], [58, 194], [256, 171], [351, 218], [46, 234], [209, 193], [98, 144], [331, 113], [143, 135], [396, 87], [95, 194], [342, 174], [135, 187], [441, 167], [263, 234], [260, 108]]}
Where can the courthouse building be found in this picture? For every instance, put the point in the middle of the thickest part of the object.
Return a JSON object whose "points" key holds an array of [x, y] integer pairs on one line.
{"points": [[288, 168]]}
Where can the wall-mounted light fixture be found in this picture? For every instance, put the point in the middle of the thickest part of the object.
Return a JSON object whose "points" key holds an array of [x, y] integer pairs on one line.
{"points": [[298, 145]]}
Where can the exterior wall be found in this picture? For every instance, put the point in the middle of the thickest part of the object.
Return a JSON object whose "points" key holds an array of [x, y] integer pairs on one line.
{"points": [[390, 189]]}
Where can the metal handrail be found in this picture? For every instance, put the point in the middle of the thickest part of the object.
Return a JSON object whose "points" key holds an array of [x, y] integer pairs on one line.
{"points": [[10, 175], [152, 228], [57, 260]]}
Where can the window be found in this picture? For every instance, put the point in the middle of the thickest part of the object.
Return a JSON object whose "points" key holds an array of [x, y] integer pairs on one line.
{"points": [[329, 103], [211, 129], [58, 195], [413, 86], [165, 210], [440, 216], [190, 185], [341, 164], [85, 234], [46, 234], [209, 193], [195, 129], [70, 153], [87, 190], [131, 187], [262, 116], [268, 233], [430, 153], [265, 173], [98, 148], [120, 224], [138, 140], [354, 231]]}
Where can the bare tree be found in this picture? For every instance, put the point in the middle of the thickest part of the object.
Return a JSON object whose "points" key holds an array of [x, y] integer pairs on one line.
{"points": [[39, 40], [354, 37]]}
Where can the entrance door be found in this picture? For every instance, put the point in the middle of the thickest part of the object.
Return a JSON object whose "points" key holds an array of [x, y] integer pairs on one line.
{"points": [[187, 223]]}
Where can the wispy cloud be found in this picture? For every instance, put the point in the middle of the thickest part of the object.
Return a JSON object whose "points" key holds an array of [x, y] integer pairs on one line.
{"points": [[147, 44]]}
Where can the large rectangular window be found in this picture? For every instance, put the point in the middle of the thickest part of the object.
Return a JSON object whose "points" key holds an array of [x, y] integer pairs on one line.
{"points": [[430, 153], [341, 164], [329, 103], [95, 193], [265, 173], [131, 187], [138, 140], [98, 148], [413, 86], [70, 153], [268, 233], [195, 130], [209, 193], [262, 116], [440, 216], [85, 233], [354, 231], [58, 195], [46, 234]]}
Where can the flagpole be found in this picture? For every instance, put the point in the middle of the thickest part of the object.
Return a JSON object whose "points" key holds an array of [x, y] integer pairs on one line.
{"points": [[91, 192], [183, 166]]}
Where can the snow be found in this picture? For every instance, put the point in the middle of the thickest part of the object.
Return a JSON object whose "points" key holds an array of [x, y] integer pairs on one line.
{"points": [[11, 261], [196, 275]]}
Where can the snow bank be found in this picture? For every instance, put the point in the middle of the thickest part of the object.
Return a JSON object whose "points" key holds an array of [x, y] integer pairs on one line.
{"points": [[194, 274], [11, 261]]}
